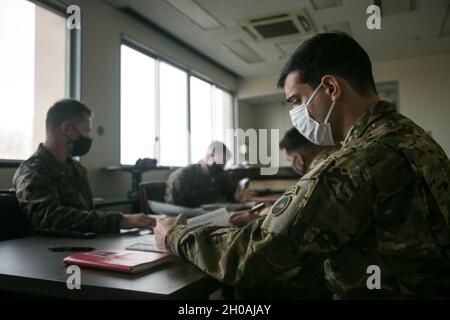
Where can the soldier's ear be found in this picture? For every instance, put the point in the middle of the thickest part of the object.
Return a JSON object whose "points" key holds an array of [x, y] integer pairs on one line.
{"points": [[300, 161], [332, 86], [65, 127]]}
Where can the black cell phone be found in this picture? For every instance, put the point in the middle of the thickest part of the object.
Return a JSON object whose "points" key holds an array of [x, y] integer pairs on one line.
{"points": [[67, 234]]}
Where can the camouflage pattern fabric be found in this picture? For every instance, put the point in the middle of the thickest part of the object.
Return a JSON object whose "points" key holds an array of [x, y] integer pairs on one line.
{"points": [[322, 155], [56, 195], [383, 199], [189, 187]]}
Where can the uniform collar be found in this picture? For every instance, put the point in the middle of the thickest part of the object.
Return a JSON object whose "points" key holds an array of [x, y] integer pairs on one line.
{"points": [[373, 114], [43, 152]]}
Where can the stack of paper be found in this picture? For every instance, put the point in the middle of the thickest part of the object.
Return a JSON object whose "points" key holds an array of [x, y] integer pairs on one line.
{"points": [[218, 217], [173, 210]]}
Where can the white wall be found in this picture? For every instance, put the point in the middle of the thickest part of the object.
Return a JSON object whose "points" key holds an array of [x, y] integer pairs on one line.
{"points": [[424, 94], [272, 115], [258, 86], [102, 30]]}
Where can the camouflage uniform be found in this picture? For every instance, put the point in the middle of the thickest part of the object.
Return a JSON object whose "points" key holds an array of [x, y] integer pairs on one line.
{"points": [[189, 187], [305, 282], [383, 199], [322, 155], [56, 195]]}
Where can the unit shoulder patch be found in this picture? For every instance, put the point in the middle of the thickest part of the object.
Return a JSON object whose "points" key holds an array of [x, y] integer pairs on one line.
{"points": [[280, 206]]}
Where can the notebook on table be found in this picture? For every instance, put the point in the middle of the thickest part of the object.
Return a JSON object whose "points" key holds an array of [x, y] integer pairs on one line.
{"points": [[118, 260]]}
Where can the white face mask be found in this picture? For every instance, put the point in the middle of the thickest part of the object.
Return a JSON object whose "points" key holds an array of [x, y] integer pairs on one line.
{"points": [[318, 133]]}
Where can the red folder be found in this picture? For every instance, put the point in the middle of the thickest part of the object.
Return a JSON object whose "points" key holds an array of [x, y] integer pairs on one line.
{"points": [[118, 260]]}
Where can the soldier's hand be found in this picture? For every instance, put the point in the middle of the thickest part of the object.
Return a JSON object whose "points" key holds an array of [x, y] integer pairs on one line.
{"points": [[242, 218], [163, 226], [138, 220], [242, 195]]}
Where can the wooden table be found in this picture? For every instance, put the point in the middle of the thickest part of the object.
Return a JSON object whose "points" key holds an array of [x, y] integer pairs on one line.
{"points": [[28, 267]]}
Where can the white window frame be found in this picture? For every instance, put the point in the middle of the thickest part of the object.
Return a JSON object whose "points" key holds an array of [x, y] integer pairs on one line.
{"points": [[127, 41], [73, 49]]}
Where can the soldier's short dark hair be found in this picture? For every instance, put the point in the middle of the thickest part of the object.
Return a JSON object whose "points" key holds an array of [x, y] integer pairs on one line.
{"points": [[293, 141], [334, 53], [65, 110]]}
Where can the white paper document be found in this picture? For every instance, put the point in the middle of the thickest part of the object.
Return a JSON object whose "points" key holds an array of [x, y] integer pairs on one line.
{"points": [[149, 244], [217, 217], [173, 210]]}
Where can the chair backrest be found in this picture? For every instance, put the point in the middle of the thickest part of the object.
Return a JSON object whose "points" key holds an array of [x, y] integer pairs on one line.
{"points": [[151, 191], [13, 222]]}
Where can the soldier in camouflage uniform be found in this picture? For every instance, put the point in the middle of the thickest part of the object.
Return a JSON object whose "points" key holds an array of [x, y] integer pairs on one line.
{"points": [[381, 201], [205, 182], [53, 189], [302, 153], [303, 156], [322, 155], [306, 282]]}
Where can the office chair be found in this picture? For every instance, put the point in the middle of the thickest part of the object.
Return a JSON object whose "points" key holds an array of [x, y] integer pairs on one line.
{"points": [[151, 191], [14, 224]]}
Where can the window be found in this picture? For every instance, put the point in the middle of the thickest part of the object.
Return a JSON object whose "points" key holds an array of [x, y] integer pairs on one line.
{"points": [[158, 120], [211, 117], [201, 118], [137, 112], [34, 69], [223, 117], [173, 116]]}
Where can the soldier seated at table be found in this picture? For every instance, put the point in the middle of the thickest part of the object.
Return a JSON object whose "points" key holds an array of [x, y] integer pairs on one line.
{"points": [[373, 214], [53, 189], [205, 182], [302, 154]]}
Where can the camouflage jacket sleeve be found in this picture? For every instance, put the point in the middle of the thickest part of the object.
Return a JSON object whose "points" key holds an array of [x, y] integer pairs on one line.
{"points": [[175, 190], [310, 222], [40, 200], [229, 186]]}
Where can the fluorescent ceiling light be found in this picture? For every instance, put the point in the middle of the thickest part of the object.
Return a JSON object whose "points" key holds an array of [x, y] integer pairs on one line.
{"points": [[287, 48], [325, 4], [194, 12], [243, 51]]}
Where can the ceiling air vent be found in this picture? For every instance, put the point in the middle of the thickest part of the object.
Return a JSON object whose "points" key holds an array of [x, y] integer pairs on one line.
{"points": [[281, 26]]}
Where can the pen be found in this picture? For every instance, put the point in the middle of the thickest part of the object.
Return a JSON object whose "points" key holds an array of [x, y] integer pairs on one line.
{"points": [[65, 233], [257, 207], [63, 249]]}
